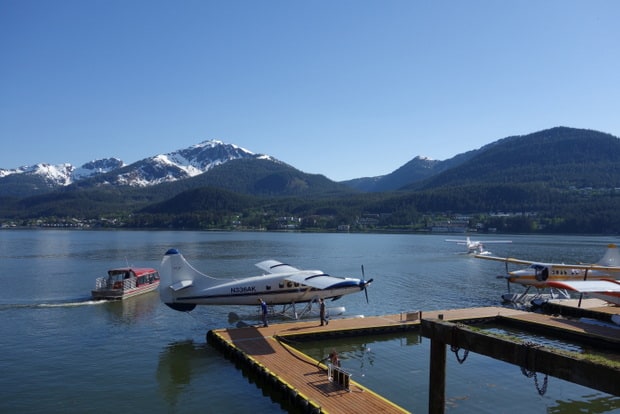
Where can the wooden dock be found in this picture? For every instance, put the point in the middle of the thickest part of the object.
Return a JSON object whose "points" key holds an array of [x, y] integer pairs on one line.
{"points": [[303, 383]]}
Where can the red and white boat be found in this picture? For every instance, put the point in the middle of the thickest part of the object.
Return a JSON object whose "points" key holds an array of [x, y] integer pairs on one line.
{"points": [[126, 282]]}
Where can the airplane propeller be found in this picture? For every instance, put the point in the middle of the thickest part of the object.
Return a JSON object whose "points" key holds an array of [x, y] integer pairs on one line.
{"points": [[365, 283]]}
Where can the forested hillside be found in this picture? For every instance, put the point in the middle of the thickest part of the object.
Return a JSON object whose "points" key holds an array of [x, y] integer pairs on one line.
{"points": [[559, 180], [558, 158]]}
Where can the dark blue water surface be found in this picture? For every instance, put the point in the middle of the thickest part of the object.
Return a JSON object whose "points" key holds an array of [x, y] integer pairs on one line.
{"points": [[62, 352]]}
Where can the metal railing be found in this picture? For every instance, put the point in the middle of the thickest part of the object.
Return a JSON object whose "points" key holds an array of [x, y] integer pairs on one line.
{"points": [[339, 376], [104, 283]]}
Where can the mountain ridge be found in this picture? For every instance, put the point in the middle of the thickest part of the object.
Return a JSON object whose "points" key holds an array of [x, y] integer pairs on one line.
{"points": [[558, 157], [172, 166], [208, 155], [178, 165], [562, 178]]}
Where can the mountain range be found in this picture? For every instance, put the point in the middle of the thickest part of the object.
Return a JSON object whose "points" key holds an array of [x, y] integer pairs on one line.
{"points": [[538, 149], [518, 172], [157, 169], [186, 163]]}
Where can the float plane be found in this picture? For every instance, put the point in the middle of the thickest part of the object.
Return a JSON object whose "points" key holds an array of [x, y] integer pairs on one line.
{"points": [[182, 287], [540, 275], [476, 246]]}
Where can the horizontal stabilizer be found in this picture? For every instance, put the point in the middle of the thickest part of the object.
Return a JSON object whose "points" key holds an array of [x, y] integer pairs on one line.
{"points": [[181, 285]]}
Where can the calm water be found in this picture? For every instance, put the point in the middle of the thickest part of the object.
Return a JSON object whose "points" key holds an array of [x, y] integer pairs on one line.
{"points": [[62, 352]]}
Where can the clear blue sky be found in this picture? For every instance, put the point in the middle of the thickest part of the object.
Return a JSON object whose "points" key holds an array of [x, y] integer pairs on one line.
{"points": [[344, 88]]}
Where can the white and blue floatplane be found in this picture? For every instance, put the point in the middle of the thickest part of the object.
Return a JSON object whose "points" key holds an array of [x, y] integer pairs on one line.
{"points": [[183, 287]]}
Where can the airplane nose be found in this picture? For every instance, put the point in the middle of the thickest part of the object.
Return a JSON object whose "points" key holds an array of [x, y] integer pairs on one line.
{"points": [[365, 283]]}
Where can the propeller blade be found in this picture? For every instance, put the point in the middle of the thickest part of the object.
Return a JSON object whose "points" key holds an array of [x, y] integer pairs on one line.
{"points": [[365, 286], [364, 283]]}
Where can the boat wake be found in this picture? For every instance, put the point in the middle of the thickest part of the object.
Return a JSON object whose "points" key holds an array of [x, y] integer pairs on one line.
{"points": [[59, 304], [71, 304]]}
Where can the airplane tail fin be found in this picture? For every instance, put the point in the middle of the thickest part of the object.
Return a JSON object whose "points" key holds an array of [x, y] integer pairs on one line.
{"points": [[177, 275], [611, 256]]}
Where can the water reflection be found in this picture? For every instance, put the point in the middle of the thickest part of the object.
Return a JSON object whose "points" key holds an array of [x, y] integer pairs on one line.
{"points": [[397, 367], [357, 355], [133, 310], [593, 404], [177, 364]]}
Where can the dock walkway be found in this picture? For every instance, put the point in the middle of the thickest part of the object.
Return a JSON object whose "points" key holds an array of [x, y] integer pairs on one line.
{"points": [[304, 378]]}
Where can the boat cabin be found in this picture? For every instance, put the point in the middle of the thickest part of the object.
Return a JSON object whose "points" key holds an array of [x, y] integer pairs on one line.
{"points": [[125, 282]]}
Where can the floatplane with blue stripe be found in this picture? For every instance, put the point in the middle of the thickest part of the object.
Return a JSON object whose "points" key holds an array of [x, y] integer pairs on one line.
{"points": [[182, 287]]}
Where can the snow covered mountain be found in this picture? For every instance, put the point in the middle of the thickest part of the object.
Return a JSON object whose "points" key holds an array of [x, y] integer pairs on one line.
{"points": [[181, 164], [65, 174], [173, 166], [93, 168], [59, 174]]}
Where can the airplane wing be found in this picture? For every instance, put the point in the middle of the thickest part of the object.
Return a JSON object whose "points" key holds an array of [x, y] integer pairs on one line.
{"points": [[505, 259], [588, 286], [316, 280], [313, 278], [609, 262], [553, 265], [465, 241], [273, 266]]}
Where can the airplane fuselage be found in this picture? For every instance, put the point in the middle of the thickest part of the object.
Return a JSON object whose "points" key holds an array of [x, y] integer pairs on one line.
{"points": [[538, 275], [273, 289]]}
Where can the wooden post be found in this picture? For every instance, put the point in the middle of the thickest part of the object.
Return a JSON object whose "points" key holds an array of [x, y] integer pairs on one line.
{"points": [[437, 381]]}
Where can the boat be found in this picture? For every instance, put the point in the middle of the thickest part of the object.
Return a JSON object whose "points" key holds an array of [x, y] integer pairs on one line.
{"points": [[125, 282]]}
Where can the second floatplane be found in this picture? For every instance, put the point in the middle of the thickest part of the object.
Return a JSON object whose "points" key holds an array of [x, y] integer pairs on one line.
{"points": [[556, 280]]}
